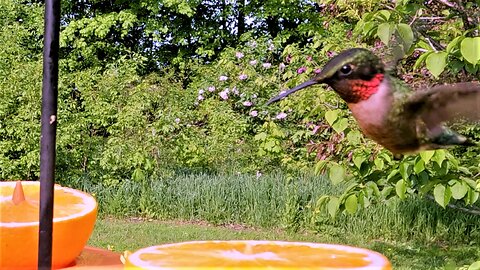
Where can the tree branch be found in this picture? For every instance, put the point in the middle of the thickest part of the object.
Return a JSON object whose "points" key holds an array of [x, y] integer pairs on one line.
{"points": [[470, 210]]}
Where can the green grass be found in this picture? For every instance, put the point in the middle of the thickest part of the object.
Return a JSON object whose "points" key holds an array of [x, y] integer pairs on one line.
{"points": [[414, 233], [131, 234]]}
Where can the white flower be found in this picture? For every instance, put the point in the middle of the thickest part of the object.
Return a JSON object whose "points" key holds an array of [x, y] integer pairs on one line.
{"points": [[281, 115], [242, 77], [239, 55], [247, 103], [201, 91], [253, 62], [266, 65], [223, 78], [211, 88], [254, 113], [224, 94], [200, 97], [177, 120]]}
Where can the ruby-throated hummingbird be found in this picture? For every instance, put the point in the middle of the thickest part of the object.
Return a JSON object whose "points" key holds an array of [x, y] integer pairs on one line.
{"points": [[388, 111]]}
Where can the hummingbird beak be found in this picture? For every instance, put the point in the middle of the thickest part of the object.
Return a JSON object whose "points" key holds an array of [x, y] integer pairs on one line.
{"points": [[283, 94]]}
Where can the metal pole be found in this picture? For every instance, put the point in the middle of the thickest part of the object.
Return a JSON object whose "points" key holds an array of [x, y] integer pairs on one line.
{"points": [[49, 130]]}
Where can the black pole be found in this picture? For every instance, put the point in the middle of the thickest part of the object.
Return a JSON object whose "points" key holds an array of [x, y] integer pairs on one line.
{"points": [[49, 131]]}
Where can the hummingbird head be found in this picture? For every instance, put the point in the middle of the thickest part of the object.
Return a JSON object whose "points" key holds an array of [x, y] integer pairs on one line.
{"points": [[354, 74]]}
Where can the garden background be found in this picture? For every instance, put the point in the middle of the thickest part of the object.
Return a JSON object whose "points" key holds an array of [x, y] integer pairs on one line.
{"points": [[161, 116]]}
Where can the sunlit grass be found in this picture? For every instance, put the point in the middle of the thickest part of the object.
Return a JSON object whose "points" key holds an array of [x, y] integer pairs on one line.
{"points": [[128, 234]]}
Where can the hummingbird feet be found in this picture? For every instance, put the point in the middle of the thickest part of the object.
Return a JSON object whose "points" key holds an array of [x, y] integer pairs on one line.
{"points": [[450, 137]]}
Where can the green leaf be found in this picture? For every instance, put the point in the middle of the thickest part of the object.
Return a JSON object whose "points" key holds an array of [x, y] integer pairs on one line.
{"points": [[384, 32], [331, 116], [321, 201], [374, 188], [320, 166], [406, 34], [392, 174], [354, 137], [358, 160], [351, 204], [383, 14], [427, 155], [471, 68], [340, 125], [405, 170], [454, 43], [386, 192], [436, 63], [472, 197], [439, 156], [260, 136], [419, 166], [421, 59], [336, 173], [333, 206], [474, 266], [401, 189], [379, 163], [456, 65], [442, 195], [459, 190], [470, 49]]}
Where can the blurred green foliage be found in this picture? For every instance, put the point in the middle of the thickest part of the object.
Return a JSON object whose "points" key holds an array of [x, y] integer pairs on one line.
{"points": [[151, 90]]}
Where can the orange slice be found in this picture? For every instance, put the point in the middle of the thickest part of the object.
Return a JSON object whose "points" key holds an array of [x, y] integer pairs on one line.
{"points": [[74, 218], [255, 255]]}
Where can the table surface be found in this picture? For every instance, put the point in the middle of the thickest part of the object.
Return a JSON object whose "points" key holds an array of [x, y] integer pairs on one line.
{"points": [[97, 258]]}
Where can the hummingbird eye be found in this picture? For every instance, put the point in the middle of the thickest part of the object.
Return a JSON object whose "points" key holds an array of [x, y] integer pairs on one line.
{"points": [[346, 70]]}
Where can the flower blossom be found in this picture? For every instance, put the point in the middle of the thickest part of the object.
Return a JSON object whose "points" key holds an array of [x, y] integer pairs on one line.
{"points": [[235, 90], [266, 65], [177, 120], [281, 115], [301, 70], [253, 62], [281, 67], [309, 58], [224, 94], [239, 55], [242, 77], [211, 88], [223, 78], [201, 91], [317, 70], [200, 97], [247, 103], [254, 113]]}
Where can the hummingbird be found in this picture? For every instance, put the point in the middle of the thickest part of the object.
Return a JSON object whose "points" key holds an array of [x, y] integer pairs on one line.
{"points": [[388, 111]]}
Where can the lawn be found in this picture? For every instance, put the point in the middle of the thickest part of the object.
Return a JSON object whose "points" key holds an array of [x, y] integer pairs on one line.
{"points": [[131, 234]]}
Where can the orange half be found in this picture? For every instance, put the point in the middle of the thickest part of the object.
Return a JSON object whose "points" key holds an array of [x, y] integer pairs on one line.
{"points": [[256, 255], [74, 219]]}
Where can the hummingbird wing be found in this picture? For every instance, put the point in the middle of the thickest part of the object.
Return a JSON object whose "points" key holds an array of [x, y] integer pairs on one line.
{"points": [[446, 103]]}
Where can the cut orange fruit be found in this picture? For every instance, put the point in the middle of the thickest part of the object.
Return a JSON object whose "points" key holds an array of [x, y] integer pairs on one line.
{"points": [[255, 255], [74, 218]]}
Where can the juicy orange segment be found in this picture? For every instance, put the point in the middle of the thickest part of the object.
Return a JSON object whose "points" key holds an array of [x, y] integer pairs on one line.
{"points": [[74, 218], [255, 255]]}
